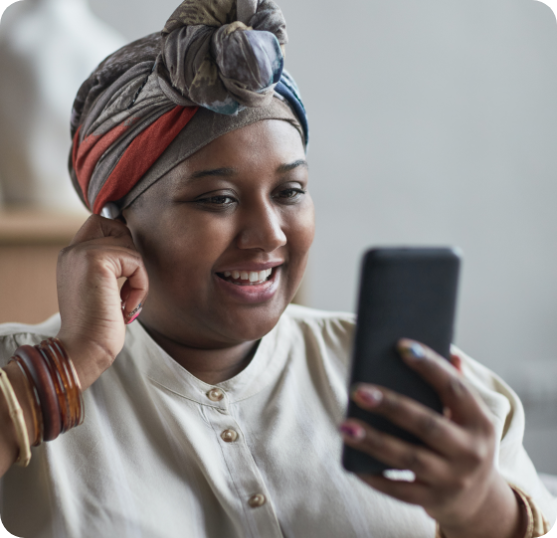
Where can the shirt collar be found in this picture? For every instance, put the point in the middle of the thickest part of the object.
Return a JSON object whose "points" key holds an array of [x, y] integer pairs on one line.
{"points": [[157, 365]]}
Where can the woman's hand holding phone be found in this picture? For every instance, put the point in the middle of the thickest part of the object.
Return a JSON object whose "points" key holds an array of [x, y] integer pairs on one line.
{"points": [[93, 309], [456, 479]]}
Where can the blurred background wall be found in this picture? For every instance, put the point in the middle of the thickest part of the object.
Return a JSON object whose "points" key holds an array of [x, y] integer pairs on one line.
{"points": [[432, 122], [47, 49]]}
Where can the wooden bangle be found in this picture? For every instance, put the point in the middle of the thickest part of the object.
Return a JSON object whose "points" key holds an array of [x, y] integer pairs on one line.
{"points": [[34, 401], [536, 525], [72, 414], [40, 375], [16, 414], [75, 384], [527, 513], [59, 385]]}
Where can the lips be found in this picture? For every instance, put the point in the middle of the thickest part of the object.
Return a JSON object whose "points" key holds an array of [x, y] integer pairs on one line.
{"points": [[250, 286], [246, 278]]}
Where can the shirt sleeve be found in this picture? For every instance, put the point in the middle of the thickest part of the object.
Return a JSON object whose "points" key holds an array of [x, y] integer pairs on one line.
{"points": [[13, 335], [512, 460]]}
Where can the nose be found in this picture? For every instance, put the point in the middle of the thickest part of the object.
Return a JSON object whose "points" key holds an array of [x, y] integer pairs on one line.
{"points": [[261, 228]]}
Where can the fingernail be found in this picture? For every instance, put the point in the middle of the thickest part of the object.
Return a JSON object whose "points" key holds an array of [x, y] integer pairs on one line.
{"points": [[135, 310], [369, 395], [353, 431], [411, 350], [134, 314]]}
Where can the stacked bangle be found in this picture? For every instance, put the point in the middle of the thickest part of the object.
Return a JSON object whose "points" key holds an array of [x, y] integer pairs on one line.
{"points": [[536, 524], [16, 414], [66, 382], [53, 387], [34, 402]]}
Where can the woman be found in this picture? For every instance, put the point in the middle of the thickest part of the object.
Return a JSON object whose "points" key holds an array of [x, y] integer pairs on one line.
{"points": [[216, 413]]}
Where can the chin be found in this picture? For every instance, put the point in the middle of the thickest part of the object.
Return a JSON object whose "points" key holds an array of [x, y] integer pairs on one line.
{"points": [[253, 323]]}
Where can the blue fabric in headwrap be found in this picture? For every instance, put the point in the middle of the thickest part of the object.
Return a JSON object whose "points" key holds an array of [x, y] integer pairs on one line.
{"points": [[288, 89]]}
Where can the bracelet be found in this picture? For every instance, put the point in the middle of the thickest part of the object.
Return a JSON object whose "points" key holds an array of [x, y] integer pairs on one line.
{"points": [[59, 385], [66, 382], [536, 525], [527, 513], [34, 401], [42, 380], [53, 388], [16, 414]]}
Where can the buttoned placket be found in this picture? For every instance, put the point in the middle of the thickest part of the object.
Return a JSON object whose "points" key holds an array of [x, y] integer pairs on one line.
{"points": [[258, 510]]}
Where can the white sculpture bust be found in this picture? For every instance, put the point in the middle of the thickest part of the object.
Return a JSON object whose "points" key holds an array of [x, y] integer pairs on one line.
{"points": [[47, 49]]}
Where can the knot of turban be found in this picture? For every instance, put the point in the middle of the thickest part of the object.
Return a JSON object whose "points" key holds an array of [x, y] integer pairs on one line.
{"points": [[216, 66]]}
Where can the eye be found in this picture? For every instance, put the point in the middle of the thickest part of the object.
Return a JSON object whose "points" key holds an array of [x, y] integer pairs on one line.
{"points": [[216, 201], [290, 195]]}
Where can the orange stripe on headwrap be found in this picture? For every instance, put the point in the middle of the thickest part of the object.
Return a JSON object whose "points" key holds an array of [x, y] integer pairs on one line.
{"points": [[140, 155], [89, 152]]}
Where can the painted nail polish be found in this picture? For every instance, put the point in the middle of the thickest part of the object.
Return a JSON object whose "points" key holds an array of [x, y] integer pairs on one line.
{"points": [[413, 351], [134, 314], [353, 431], [369, 395]]}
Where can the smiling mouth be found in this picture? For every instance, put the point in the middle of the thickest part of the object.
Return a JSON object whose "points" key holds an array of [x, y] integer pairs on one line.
{"points": [[247, 278]]}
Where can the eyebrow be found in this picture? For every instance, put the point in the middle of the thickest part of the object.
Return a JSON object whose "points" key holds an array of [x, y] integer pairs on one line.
{"points": [[229, 172], [219, 172], [283, 168]]}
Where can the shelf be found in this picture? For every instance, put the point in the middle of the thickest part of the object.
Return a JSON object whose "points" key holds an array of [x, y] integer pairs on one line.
{"points": [[38, 227], [30, 241]]}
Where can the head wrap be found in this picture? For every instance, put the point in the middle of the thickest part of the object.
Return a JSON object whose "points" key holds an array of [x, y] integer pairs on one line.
{"points": [[217, 66]]}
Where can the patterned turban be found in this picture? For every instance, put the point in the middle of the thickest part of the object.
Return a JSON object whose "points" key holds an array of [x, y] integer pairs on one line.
{"points": [[217, 66]]}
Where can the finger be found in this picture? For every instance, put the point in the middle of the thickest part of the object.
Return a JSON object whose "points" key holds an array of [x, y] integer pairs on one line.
{"points": [[124, 293], [428, 467], [96, 227], [136, 288], [133, 300], [125, 240], [435, 430], [408, 492], [456, 361], [466, 407], [112, 260]]}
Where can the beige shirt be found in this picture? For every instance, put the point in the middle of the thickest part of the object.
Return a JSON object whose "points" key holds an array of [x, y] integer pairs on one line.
{"points": [[150, 461]]}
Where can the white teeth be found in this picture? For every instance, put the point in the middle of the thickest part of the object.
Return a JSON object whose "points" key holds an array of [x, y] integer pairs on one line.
{"points": [[251, 276]]}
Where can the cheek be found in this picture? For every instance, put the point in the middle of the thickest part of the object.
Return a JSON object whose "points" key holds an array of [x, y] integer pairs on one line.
{"points": [[301, 231], [184, 244]]}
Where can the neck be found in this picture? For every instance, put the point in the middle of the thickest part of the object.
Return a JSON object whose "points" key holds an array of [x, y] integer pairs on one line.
{"points": [[212, 366]]}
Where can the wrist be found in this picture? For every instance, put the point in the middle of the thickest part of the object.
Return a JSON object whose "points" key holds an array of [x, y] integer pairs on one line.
{"points": [[89, 358], [500, 514]]}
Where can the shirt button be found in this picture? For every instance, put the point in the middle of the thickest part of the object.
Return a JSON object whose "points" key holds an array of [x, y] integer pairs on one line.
{"points": [[257, 500], [215, 395], [229, 436]]}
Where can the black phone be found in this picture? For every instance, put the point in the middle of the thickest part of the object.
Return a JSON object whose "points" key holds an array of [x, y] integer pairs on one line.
{"points": [[404, 293]]}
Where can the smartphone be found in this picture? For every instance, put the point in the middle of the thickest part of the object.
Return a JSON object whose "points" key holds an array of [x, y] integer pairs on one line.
{"points": [[404, 293]]}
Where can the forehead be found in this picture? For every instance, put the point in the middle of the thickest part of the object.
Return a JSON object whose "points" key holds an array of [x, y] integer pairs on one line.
{"points": [[257, 151], [268, 143]]}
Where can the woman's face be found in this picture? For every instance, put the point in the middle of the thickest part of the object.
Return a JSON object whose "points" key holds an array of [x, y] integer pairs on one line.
{"points": [[225, 237]]}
